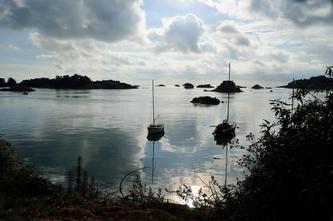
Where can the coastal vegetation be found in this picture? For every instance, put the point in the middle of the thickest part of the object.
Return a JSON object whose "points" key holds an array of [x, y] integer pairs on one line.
{"points": [[319, 82], [75, 82], [11, 85], [65, 82], [289, 168], [27, 195]]}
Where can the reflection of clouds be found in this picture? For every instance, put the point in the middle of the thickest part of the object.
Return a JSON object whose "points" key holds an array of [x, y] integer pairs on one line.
{"points": [[172, 169], [103, 151], [108, 130], [182, 133], [52, 132]]}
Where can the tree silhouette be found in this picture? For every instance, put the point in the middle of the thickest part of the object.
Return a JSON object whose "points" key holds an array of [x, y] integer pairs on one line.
{"points": [[2, 82], [11, 82]]}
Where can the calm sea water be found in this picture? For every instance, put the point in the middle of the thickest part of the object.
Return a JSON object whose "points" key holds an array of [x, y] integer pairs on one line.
{"points": [[51, 128]]}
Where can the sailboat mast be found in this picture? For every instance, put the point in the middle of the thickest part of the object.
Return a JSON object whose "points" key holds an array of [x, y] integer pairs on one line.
{"points": [[229, 71], [226, 167], [152, 85], [228, 97], [153, 164]]}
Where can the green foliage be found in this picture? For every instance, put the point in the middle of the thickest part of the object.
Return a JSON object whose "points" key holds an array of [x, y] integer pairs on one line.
{"points": [[329, 71], [78, 182], [11, 82], [17, 179], [290, 165], [141, 194], [209, 202], [2, 82]]}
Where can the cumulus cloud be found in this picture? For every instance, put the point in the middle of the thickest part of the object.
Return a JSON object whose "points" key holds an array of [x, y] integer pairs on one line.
{"points": [[280, 57], [232, 34], [86, 55], [180, 33], [234, 8], [104, 20], [300, 12]]}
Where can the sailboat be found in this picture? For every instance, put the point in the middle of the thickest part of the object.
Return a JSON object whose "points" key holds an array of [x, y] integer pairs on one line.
{"points": [[154, 128], [226, 129]]}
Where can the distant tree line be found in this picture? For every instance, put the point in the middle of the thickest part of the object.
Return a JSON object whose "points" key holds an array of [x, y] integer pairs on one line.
{"points": [[67, 82], [318, 82], [10, 82]]}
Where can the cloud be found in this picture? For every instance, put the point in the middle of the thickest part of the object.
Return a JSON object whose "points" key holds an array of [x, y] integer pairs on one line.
{"points": [[104, 20], [229, 32], [280, 57], [300, 12], [86, 55], [233, 8], [180, 33]]}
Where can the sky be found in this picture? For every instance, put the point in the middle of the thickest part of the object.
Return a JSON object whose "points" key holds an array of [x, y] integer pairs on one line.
{"points": [[162, 39]]}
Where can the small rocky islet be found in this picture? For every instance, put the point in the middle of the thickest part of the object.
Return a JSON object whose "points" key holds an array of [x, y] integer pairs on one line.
{"points": [[188, 86], [227, 87], [205, 86], [206, 100], [257, 87]]}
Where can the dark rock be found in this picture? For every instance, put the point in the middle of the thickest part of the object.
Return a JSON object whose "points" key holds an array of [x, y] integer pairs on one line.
{"points": [[160, 85], [206, 100], [188, 86], [227, 87], [318, 82], [257, 86], [268, 87], [205, 86], [177, 85]]}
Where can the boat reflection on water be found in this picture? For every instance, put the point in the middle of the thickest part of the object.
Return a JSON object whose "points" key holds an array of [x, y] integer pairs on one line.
{"points": [[154, 137], [225, 142]]}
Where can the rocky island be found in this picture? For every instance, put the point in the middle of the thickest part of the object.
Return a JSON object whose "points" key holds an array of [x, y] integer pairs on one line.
{"points": [[318, 82], [160, 85], [227, 87], [18, 88], [75, 82], [188, 86], [177, 85], [257, 86], [206, 100], [12, 86], [205, 86]]}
